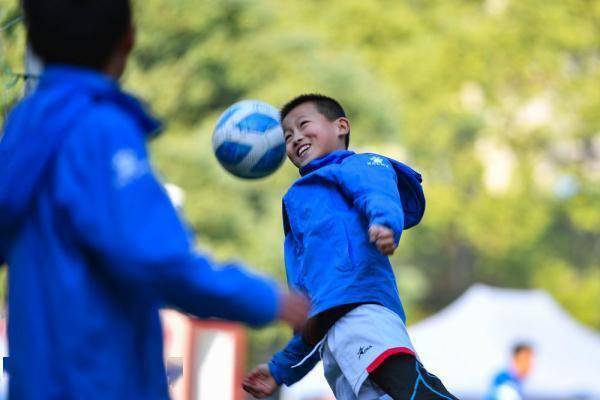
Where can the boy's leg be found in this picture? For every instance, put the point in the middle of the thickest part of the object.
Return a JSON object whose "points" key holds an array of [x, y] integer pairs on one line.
{"points": [[403, 377]]}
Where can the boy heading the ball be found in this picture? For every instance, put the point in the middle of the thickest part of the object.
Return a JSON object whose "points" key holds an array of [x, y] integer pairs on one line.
{"points": [[93, 243], [342, 219]]}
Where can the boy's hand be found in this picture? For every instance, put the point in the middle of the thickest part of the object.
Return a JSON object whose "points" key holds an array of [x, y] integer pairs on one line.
{"points": [[293, 310], [259, 382], [383, 238]]}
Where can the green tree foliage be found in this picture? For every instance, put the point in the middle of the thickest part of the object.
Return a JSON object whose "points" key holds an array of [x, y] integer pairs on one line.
{"points": [[12, 49], [495, 102]]}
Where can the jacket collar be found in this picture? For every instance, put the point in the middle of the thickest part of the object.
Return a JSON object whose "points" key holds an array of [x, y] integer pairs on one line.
{"points": [[334, 157], [101, 86], [81, 77]]}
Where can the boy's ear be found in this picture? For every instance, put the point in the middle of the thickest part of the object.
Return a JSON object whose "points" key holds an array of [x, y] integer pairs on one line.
{"points": [[129, 38], [115, 65], [343, 126]]}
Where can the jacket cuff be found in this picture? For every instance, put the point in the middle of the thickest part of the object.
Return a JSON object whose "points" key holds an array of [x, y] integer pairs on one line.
{"points": [[276, 373], [268, 301], [394, 227]]}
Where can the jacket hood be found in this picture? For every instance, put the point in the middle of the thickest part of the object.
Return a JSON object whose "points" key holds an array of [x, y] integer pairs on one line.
{"points": [[411, 193], [38, 126], [409, 184]]}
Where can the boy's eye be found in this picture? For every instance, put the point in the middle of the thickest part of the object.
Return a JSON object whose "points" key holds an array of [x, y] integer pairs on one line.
{"points": [[303, 123], [287, 138]]}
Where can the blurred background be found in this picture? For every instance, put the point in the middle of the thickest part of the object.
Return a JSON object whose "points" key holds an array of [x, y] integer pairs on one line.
{"points": [[495, 102]]}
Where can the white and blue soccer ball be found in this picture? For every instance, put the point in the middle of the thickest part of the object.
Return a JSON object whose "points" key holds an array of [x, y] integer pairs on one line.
{"points": [[248, 139]]}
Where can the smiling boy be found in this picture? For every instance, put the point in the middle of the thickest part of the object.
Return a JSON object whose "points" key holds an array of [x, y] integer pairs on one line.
{"points": [[342, 219]]}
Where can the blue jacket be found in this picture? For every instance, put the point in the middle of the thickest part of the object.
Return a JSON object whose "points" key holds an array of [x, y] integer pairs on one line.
{"points": [[328, 256], [94, 247], [506, 384]]}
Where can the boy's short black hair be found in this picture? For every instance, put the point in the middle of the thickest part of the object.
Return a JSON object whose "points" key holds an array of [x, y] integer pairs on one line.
{"points": [[521, 346], [327, 106], [77, 32]]}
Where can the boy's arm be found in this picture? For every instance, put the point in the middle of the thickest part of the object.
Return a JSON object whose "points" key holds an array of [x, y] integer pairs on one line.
{"points": [[134, 237], [287, 367], [284, 366], [370, 182]]}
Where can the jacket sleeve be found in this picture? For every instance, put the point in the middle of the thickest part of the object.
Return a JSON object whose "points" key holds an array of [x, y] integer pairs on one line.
{"points": [[283, 366], [370, 182], [133, 235]]}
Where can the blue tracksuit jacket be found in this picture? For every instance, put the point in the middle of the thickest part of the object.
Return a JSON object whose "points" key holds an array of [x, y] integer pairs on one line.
{"points": [[328, 256], [508, 382], [94, 247]]}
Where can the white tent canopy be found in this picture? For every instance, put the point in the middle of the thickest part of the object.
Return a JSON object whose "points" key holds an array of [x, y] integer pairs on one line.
{"points": [[466, 343]]}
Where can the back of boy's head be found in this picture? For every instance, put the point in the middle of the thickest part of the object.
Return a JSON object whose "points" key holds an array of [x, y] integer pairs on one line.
{"points": [[326, 106], [76, 32]]}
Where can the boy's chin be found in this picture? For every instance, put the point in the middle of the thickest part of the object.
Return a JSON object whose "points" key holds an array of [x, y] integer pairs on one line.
{"points": [[305, 162], [300, 163], [296, 163]]}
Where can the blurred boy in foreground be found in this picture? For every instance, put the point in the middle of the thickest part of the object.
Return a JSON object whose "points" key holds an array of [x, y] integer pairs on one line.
{"points": [[93, 243]]}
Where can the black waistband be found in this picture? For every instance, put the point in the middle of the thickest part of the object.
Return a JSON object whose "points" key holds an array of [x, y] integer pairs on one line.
{"points": [[317, 326]]}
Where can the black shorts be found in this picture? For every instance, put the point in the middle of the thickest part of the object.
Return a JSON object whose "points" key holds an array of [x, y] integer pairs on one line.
{"points": [[403, 377]]}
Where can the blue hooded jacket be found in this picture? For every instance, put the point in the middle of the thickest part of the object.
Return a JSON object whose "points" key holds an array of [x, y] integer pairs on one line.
{"points": [[95, 247], [327, 214], [505, 381]]}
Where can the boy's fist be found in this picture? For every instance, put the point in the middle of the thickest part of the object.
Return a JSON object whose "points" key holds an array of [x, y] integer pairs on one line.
{"points": [[383, 238], [259, 382], [293, 310]]}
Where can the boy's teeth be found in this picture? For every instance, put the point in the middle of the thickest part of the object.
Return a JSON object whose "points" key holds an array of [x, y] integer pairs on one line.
{"points": [[303, 149]]}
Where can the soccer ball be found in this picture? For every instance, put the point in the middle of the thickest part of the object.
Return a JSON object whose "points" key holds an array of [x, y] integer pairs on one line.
{"points": [[248, 139]]}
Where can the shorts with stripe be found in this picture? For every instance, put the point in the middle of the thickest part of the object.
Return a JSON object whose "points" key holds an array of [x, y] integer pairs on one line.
{"points": [[359, 343]]}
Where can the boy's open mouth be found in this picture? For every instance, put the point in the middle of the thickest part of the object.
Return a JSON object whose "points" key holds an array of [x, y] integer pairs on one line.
{"points": [[303, 149]]}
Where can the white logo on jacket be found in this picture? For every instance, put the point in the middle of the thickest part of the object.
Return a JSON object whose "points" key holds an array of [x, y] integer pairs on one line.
{"points": [[377, 161], [128, 166]]}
